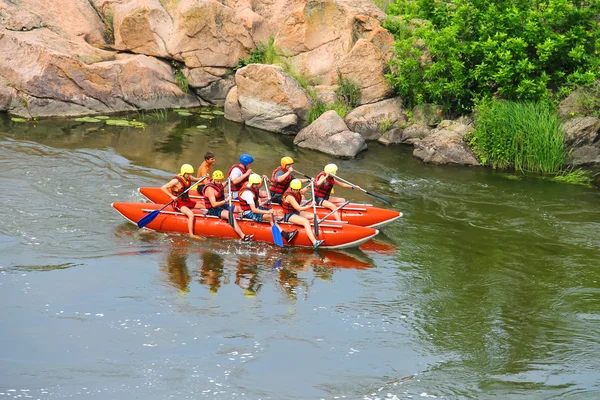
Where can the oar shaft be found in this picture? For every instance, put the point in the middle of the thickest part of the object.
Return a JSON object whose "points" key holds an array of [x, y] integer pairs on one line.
{"points": [[336, 209]]}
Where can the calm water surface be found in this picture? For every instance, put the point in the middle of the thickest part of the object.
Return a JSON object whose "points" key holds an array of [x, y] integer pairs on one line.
{"points": [[489, 287]]}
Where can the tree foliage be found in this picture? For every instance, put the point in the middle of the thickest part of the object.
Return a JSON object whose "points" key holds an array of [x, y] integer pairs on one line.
{"points": [[457, 52]]}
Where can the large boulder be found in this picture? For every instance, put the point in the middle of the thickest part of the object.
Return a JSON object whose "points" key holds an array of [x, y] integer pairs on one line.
{"points": [[52, 75], [232, 109], [373, 120], [581, 131], [365, 64], [270, 99], [407, 135], [584, 156], [329, 134], [446, 145]]}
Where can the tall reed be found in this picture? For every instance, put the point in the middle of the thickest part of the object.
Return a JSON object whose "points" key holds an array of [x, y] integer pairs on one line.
{"points": [[526, 136]]}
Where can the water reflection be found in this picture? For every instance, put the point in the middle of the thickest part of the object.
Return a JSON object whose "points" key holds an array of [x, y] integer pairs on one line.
{"points": [[211, 271], [246, 275], [176, 267]]}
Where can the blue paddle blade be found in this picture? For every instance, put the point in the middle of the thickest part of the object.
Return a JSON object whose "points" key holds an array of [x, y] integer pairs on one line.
{"points": [[278, 263], [147, 219], [277, 235]]}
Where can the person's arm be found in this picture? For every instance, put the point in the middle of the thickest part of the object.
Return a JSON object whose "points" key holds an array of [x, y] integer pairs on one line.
{"points": [[210, 192], [320, 181], [203, 171], [237, 177], [345, 185], [280, 176], [168, 186], [294, 203]]}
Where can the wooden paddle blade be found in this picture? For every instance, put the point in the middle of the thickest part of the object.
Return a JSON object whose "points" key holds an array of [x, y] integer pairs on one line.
{"points": [[148, 218], [276, 232]]}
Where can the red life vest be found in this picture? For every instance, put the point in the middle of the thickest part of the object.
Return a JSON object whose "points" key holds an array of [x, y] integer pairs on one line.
{"points": [[243, 203], [280, 187], [324, 190], [185, 186], [219, 196], [236, 187], [287, 206]]}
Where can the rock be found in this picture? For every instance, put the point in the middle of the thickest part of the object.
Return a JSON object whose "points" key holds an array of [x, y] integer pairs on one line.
{"points": [[580, 102], [233, 112], [365, 64], [581, 131], [584, 156], [446, 145], [427, 114], [201, 33], [373, 120], [409, 135], [270, 99], [329, 134], [52, 75], [216, 92]]}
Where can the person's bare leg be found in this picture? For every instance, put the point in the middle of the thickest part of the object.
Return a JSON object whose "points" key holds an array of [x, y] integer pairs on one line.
{"points": [[236, 227], [331, 206], [298, 220], [189, 213]]}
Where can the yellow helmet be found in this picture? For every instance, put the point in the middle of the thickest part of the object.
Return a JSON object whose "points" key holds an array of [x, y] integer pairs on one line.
{"points": [[217, 175], [330, 169], [286, 161], [296, 184], [254, 179], [187, 169]]}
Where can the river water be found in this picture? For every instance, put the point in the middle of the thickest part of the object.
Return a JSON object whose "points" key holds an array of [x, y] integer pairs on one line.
{"points": [[488, 287]]}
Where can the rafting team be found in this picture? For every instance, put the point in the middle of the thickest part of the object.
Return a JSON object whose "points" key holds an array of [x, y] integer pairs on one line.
{"points": [[244, 186]]}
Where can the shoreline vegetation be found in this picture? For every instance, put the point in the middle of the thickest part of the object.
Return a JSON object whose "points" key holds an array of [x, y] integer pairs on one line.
{"points": [[507, 63]]}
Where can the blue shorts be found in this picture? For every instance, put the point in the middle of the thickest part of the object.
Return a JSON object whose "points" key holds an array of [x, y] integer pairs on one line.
{"points": [[286, 217], [255, 217], [217, 211], [320, 200]]}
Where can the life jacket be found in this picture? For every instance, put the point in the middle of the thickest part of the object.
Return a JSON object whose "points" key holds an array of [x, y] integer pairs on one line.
{"points": [[243, 203], [280, 187], [287, 206], [238, 186], [324, 190], [219, 196], [185, 186]]}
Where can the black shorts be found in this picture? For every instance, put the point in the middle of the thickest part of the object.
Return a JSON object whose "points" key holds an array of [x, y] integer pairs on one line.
{"points": [[276, 198], [320, 200]]}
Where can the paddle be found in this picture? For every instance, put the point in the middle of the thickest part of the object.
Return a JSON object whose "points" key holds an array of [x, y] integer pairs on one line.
{"points": [[230, 211], [349, 183], [150, 217], [337, 208], [275, 229], [316, 221]]}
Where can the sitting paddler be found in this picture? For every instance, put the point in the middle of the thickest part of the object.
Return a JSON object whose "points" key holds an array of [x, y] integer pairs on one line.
{"points": [[249, 196], [281, 178], [215, 202], [295, 213], [205, 169], [238, 174], [324, 183], [179, 185]]}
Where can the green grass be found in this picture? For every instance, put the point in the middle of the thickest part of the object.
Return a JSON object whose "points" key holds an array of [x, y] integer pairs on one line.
{"points": [[574, 177], [524, 136]]}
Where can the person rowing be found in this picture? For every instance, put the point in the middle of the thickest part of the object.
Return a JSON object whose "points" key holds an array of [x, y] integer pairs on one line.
{"points": [[248, 196], [205, 169], [295, 213], [281, 178], [238, 174], [215, 201], [324, 183], [178, 185]]}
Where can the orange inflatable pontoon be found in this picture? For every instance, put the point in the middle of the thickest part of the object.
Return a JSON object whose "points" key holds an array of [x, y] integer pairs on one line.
{"points": [[336, 235], [354, 213]]}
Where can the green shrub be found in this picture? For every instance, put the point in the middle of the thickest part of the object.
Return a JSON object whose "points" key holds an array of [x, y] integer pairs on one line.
{"points": [[456, 52], [266, 53], [348, 91], [347, 97], [110, 27], [182, 81], [525, 136]]}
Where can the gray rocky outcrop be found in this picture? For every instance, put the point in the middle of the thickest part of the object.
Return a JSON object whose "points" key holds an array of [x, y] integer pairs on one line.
{"points": [[581, 131], [270, 99], [446, 145], [408, 135], [329, 134], [373, 120]]}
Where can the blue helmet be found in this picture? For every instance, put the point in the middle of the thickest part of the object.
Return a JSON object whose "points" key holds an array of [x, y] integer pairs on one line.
{"points": [[246, 159]]}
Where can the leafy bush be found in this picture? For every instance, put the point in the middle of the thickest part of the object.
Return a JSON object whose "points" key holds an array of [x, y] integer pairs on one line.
{"points": [[347, 97], [348, 92], [457, 52], [524, 136], [182, 81]]}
